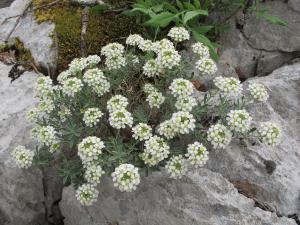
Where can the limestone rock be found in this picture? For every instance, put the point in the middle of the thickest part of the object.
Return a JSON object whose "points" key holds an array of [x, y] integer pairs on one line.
{"points": [[21, 192], [278, 190]]}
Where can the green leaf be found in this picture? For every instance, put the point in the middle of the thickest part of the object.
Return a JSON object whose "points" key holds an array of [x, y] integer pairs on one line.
{"points": [[170, 7], [158, 8], [189, 6], [192, 14], [201, 38], [197, 4], [179, 4], [273, 19], [202, 29], [161, 20]]}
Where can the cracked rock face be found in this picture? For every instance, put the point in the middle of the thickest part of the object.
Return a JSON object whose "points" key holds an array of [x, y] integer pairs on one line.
{"points": [[278, 190], [201, 197], [36, 37], [254, 46], [21, 191]]}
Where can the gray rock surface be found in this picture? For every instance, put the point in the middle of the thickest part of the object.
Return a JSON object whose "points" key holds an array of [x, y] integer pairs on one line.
{"points": [[36, 37], [280, 190], [201, 197], [21, 191], [87, 2], [254, 46]]}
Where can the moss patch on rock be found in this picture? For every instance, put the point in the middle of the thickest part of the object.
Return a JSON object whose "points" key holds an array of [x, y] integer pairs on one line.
{"points": [[102, 29]]}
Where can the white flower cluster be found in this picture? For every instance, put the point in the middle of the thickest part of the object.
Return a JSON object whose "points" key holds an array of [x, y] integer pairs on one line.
{"points": [[206, 66], [179, 34], [152, 68], [64, 113], [155, 99], [97, 81], [93, 174], [92, 60], [46, 105], [145, 45], [176, 166], [77, 65], [258, 92], [33, 115], [270, 133], [71, 86], [185, 103], [89, 149], [87, 194], [120, 118], [114, 55], [168, 58], [167, 129], [142, 131], [229, 87], [92, 116], [197, 154], [22, 156], [116, 102], [156, 150], [47, 135], [219, 136], [43, 87], [201, 50], [161, 45], [134, 39], [184, 122], [64, 76], [126, 177], [148, 88], [239, 120], [181, 87]]}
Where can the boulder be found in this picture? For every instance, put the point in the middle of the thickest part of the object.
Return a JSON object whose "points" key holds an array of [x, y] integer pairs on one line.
{"points": [[274, 173], [254, 46], [35, 37], [201, 197], [21, 192]]}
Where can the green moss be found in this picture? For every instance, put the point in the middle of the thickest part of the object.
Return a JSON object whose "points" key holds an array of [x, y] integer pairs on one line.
{"points": [[102, 29]]}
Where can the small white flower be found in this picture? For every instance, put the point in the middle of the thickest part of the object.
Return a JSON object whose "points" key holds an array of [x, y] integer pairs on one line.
{"points": [[229, 87], [22, 156], [149, 88], [239, 120], [183, 121], [87, 194], [134, 39], [258, 92], [185, 103], [126, 177], [201, 50], [142, 131], [152, 68], [46, 135], [33, 115], [77, 65], [219, 136], [116, 102], [161, 45], [92, 116], [167, 129], [176, 167], [145, 45], [64, 113], [181, 87], [97, 81], [155, 99], [89, 149], [168, 58], [270, 133], [120, 118], [43, 87], [206, 66], [115, 62], [92, 60], [64, 76], [156, 150], [72, 86], [112, 50], [197, 154], [179, 34], [46, 105], [34, 132], [93, 174]]}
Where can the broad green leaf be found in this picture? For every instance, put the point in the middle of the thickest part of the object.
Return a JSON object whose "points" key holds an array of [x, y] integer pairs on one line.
{"points": [[192, 14], [197, 4], [179, 4], [274, 19], [170, 7], [161, 20], [158, 8], [189, 6], [202, 29]]}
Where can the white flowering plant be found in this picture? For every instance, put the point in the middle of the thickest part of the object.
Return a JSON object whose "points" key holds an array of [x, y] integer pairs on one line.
{"points": [[136, 110]]}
